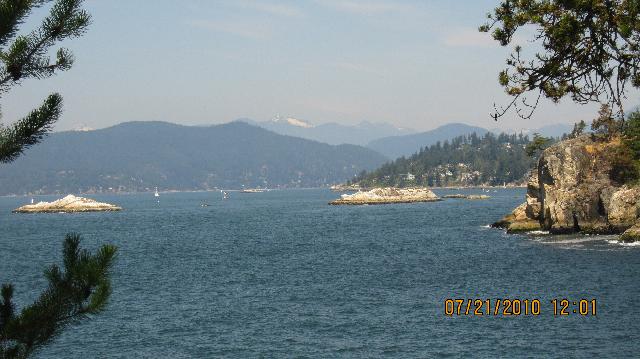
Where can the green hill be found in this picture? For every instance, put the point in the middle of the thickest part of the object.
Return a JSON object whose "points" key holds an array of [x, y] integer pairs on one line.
{"points": [[464, 161], [138, 156]]}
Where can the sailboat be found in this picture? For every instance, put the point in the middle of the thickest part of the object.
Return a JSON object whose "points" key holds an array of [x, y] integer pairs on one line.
{"points": [[156, 194]]}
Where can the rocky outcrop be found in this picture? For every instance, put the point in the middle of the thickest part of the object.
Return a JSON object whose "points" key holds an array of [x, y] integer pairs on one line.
{"points": [[467, 196], [631, 235], [387, 195], [69, 203], [346, 188], [571, 190], [518, 221]]}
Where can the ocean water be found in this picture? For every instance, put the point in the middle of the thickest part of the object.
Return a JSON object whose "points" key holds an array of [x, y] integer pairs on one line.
{"points": [[283, 274]]}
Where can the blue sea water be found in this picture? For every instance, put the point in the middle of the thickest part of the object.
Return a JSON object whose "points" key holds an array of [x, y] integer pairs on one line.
{"points": [[283, 274]]}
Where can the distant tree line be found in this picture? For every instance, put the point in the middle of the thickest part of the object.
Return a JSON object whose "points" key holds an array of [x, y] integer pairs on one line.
{"points": [[468, 160]]}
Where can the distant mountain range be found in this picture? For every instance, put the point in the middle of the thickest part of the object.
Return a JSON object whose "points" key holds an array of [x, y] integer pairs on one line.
{"points": [[331, 133], [138, 156], [397, 146], [555, 130], [385, 138]]}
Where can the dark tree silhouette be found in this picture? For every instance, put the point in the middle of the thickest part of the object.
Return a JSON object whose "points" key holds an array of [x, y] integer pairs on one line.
{"points": [[590, 51], [81, 289], [83, 286], [26, 56]]}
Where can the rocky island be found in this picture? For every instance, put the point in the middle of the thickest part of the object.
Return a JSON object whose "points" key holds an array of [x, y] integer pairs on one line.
{"points": [[467, 196], [574, 190], [346, 187], [68, 204], [386, 196]]}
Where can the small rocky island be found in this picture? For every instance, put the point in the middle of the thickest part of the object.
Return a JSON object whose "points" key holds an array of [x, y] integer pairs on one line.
{"points": [[386, 196], [467, 196], [345, 188], [572, 191], [68, 204]]}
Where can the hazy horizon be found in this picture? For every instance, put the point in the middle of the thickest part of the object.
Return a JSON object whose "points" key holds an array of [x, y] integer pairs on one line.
{"points": [[412, 64], [495, 128]]}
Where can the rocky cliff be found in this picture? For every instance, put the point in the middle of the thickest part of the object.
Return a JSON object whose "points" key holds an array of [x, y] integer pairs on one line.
{"points": [[573, 190]]}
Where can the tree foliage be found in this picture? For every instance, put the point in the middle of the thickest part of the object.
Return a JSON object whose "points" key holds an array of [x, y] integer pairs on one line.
{"points": [[631, 134], [537, 145], [27, 56], [578, 129], [83, 286], [80, 289], [465, 160], [181, 157], [605, 126], [588, 50]]}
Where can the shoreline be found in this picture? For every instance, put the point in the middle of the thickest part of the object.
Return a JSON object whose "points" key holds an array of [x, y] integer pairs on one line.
{"points": [[238, 190]]}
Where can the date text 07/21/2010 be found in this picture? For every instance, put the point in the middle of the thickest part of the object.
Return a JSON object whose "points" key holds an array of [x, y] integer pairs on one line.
{"points": [[518, 307]]}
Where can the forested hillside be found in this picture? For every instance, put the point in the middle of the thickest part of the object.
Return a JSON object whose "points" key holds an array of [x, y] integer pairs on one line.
{"points": [[396, 146], [464, 161], [138, 156]]}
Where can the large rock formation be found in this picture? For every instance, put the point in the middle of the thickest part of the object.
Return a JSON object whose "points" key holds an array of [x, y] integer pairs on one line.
{"points": [[572, 190], [388, 195], [69, 203]]}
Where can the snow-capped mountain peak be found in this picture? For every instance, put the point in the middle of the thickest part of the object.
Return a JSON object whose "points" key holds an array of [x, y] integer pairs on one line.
{"points": [[300, 123], [293, 122]]}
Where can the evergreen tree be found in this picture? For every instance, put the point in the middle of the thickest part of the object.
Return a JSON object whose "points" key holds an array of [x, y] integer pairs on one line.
{"points": [[537, 145], [578, 129], [631, 135], [84, 286], [26, 56], [605, 125], [464, 160], [589, 50], [81, 289]]}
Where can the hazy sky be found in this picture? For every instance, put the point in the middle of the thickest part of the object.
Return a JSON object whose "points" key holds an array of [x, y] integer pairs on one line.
{"points": [[416, 64]]}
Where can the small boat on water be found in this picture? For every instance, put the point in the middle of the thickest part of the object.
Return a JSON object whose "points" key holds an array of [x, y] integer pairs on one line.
{"points": [[156, 194], [225, 195]]}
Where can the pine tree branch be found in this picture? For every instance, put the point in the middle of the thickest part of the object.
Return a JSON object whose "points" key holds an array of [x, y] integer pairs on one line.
{"points": [[13, 13], [82, 289], [30, 130], [26, 56]]}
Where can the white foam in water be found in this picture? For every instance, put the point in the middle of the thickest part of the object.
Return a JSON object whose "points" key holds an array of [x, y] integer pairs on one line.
{"points": [[537, 233], [579, 242], [616, 242], [572, 240]]}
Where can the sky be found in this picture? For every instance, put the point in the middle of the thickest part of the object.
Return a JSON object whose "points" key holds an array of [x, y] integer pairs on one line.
{"points": [[415, 64]]}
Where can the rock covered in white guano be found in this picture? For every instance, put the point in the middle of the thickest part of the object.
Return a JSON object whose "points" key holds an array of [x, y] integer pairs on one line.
{"points": [[69, 203], [388, 195]]}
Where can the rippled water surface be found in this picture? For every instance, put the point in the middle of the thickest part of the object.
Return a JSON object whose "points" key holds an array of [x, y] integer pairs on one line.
{"points": [[281, 274]]}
